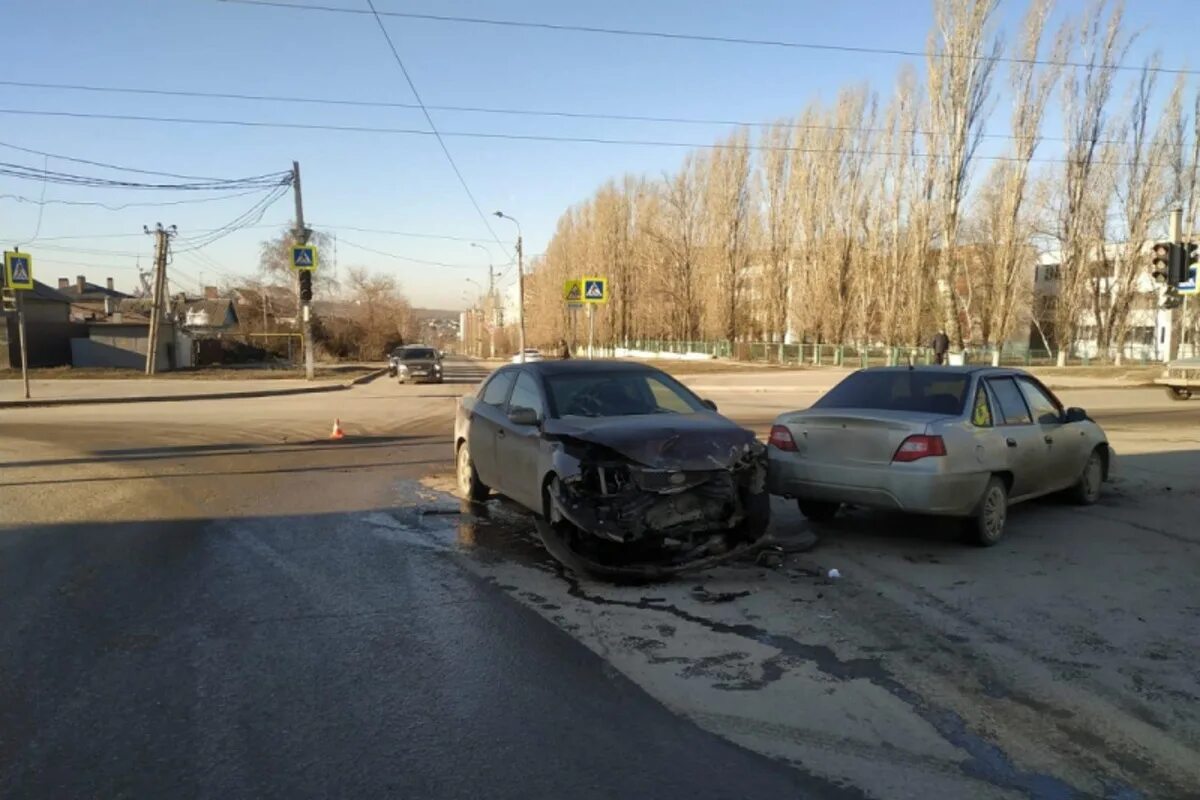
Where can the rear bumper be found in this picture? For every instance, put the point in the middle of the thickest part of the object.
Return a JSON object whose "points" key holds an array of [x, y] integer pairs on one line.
{"points": [[911, 488]]}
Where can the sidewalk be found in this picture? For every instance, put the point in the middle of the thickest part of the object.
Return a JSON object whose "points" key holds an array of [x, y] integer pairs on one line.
{"points": [[144, 390]]}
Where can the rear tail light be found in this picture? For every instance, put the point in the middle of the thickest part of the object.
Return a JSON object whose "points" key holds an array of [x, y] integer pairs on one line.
{"points": [[914, 448], [781, 439]]}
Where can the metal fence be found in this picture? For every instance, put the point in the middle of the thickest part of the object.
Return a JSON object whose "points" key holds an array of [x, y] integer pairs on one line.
{"points": [[852, 355]]}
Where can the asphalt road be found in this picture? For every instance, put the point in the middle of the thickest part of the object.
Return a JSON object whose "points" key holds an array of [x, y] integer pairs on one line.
{"points": [[212, 599]]}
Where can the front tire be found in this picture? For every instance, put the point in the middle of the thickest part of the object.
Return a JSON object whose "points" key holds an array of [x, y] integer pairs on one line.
{"points": [[818, 510], [469, 485], [1179, 393], [1086, 490], [986, 526]]}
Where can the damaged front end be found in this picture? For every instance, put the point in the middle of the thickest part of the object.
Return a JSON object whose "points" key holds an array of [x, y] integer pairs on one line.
{"points": [[683, 503]]}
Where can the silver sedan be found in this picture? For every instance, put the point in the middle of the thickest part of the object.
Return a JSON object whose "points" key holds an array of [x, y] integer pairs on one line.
{"points": [[953, 441]]}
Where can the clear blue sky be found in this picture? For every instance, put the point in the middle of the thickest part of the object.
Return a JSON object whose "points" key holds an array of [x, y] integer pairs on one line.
{"points": [[403, 183]]}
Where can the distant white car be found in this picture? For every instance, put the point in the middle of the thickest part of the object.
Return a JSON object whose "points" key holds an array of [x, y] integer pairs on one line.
{"points": [[532, 354]]}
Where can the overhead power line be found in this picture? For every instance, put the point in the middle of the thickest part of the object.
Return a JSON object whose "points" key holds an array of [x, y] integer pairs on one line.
{"points": [[249, 217], [122, 206], [71, 179], [343, 240], [432, 127], [117, 167], [513, 136], [687, 37], [516, 112]]}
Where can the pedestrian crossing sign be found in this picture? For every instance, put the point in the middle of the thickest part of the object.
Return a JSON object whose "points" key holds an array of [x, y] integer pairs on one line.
{"points": [[18, 271], [304, 257], [595, 290]]}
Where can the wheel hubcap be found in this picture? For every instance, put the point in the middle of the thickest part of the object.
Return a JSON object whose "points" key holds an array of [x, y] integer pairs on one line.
{"points": [[1091, 478], [464, 469], [994, 513]]}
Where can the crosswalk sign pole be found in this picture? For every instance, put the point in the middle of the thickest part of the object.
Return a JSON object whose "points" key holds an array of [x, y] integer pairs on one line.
{"points": [[24, 349], [591, 331]]}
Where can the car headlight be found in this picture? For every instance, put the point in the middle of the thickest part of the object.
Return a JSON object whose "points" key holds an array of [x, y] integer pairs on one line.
{"points": [[437, 367], [403, 367]]}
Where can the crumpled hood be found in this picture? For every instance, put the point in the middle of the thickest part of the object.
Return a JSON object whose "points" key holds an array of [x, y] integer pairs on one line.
{"points": [[692, 442]]}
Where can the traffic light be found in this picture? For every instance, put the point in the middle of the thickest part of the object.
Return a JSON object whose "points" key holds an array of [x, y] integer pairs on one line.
{"points": [[1162, 261], [306, 286], [1187, 260]]}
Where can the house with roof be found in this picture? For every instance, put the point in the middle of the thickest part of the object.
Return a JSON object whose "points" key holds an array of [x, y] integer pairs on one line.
{"points": [[48, 330], [90, 301], [210, 316]]}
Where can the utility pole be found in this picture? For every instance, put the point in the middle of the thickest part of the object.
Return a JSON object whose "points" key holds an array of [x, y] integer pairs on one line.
{"points": [[301, 235], [161, 243], [521, 295], [520, 288]]}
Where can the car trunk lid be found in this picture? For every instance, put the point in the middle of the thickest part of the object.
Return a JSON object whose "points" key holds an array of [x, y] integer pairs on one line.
{"points": [[848, 436]]}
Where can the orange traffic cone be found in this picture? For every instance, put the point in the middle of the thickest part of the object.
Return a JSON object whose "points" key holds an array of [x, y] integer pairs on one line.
{"points": [[337, 430]]}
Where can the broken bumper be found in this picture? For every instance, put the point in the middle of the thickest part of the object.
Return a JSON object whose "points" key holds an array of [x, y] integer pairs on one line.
{"points": [[657, 521]]}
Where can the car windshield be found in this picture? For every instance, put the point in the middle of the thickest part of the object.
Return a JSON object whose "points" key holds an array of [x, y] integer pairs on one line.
{"points": [[619, 394], [418, 352], [929, 391]]}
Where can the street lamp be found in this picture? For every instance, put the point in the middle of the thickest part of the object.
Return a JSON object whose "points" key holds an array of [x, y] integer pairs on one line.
{"points": [[520, 288]]}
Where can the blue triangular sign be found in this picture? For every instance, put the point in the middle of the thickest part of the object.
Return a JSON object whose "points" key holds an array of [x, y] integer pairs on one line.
{"points": [[20, 270], [303, 257]]}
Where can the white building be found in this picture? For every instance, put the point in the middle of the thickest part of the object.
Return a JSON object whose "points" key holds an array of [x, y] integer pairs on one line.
{"points": [[1151, 327]]}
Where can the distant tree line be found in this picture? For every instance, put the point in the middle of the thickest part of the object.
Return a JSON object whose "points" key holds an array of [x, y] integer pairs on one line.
{"points": [[879, 220]]}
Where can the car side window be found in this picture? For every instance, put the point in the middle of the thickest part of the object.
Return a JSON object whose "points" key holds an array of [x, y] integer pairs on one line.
{"points": [[526, 395], [496, 390], [981, 412], [1012, 405], [1045, 410]]}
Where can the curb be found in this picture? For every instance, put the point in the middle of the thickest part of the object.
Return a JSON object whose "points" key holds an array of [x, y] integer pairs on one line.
{"points": [[175, 398]]}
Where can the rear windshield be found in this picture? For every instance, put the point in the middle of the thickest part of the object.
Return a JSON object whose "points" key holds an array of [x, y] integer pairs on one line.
{"points": [[417, 352], [930, 391]]}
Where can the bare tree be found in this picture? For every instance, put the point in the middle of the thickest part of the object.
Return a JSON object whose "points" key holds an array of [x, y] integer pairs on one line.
{"points": [[962, 55], [729, 221], [1086, 91], [780, 216], [1009, 258], [1142, 191]]}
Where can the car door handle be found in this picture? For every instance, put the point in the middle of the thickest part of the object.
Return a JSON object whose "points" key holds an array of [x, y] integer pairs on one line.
{"points": [[500, 433], [1048, 439], [1011, 442]]}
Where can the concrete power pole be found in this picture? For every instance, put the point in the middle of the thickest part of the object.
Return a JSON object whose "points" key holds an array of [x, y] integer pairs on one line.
{"points": [[301, 235], [521, 295], [162, 237]]}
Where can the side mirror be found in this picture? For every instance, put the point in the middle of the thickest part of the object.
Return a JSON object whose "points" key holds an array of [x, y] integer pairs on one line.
{"points": [[709, 404], [523, 416], [1075, 415]]}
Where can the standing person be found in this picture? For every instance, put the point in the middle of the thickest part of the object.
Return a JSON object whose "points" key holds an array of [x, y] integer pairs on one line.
{"points": [[564, 350], [941, 343]]}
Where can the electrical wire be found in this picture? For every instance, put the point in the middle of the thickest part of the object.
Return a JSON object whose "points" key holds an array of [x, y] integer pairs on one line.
{"points": [[122, 206], [432, 127], [251, 216], [343, 240], [539, 138], [102, 164], [693, 37], [519, 112], [69, 179]]}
